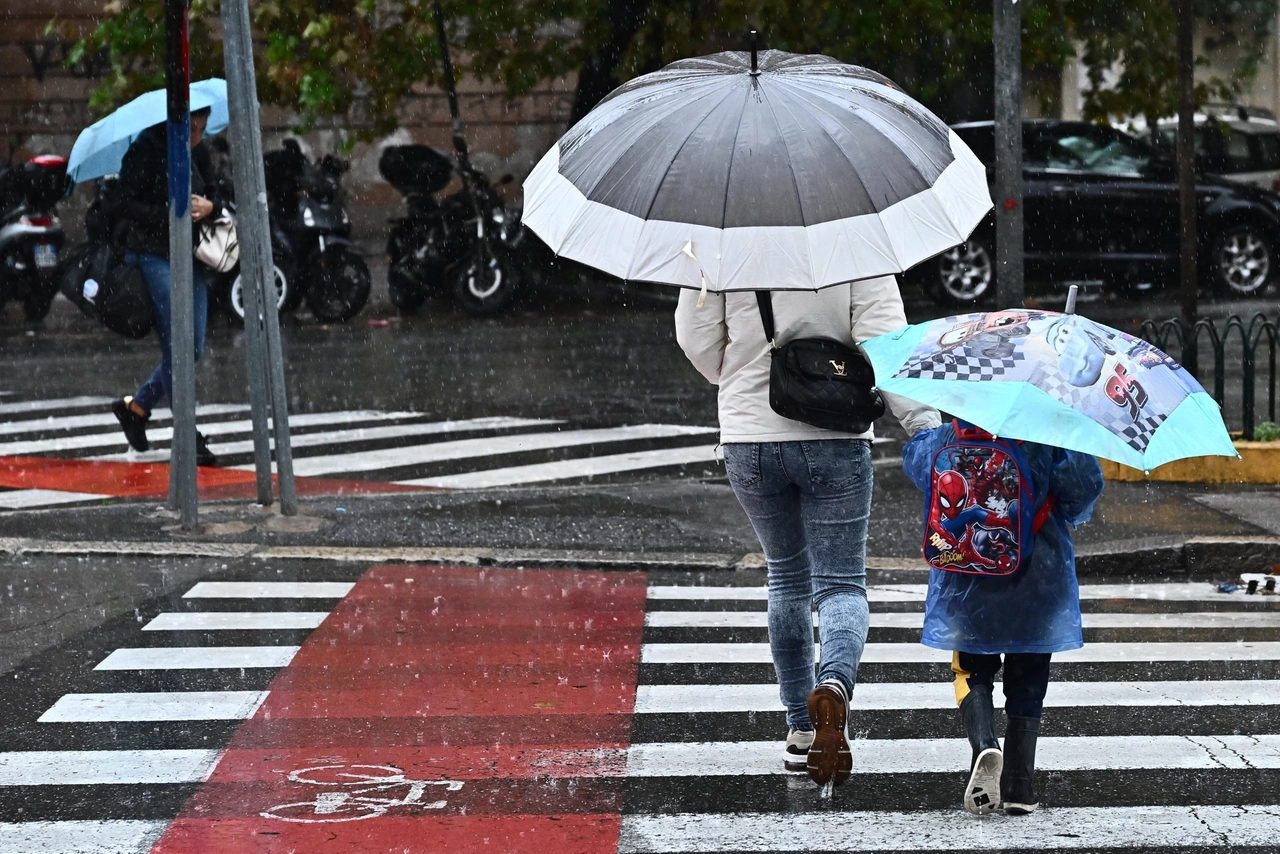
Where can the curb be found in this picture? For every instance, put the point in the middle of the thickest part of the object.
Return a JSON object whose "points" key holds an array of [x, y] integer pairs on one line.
{"points": [[1198, 556]]}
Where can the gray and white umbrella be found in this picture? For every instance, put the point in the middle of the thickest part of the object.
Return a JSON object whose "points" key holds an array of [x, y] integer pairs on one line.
{"points": [[803, 174]]}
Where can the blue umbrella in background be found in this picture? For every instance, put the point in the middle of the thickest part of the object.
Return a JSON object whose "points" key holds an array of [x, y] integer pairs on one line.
{"points": [[1058, 379], [100, 148]]}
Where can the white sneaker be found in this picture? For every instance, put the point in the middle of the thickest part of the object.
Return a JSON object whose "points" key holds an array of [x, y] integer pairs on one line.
{"points": [[796, 754]]}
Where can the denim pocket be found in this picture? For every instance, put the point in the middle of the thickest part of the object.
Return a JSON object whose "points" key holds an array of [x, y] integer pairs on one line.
{"points": [[742, 460], [837, 463]]}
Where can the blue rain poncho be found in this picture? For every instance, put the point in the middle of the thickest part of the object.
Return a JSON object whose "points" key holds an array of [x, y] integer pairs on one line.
{"points": [[1037, 608]]}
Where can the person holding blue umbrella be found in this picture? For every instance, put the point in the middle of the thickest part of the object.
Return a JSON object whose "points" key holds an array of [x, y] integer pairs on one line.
{"points": [[140, 209], [132, 141]]}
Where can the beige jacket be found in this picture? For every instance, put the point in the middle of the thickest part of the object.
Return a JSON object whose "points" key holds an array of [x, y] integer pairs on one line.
{"points": [[725, 341]]}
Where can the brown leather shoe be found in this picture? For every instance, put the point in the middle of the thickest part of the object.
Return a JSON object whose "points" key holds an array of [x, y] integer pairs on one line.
{"points": [[829, 756]]}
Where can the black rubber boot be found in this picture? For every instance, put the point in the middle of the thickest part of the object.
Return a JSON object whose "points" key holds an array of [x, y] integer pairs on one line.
{"points": [[982, 795], [1017, 781]]}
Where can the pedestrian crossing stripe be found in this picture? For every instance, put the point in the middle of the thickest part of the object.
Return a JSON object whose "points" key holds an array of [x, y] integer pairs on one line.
{"points": [[1212, 828], [908, 653], [915, 620], [734, 767], [401, 450], [1189, 591]]}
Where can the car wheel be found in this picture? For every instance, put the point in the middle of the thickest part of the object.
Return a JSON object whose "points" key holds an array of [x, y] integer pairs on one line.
{"points": [[1240, 260], [235, 298], [484, 285], [964, 275], [339, 287]]}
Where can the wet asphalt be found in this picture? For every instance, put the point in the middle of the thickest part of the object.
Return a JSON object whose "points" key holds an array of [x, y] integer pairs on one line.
{"points": [[612, 363]]}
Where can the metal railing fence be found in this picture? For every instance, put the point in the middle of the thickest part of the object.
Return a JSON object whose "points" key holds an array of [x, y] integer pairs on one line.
{"points": [[1247, 338]]}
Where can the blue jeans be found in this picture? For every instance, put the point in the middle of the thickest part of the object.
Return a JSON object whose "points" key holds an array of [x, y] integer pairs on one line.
{"points": [[155, 270], [809, 503]]}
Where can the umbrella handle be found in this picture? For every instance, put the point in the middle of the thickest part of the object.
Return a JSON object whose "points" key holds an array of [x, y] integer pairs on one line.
{"points": [[755, 42], [1071, 300]]}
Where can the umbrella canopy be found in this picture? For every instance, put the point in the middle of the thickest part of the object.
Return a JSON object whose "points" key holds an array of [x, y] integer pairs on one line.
{"points": [[1058, 379], [806, 174], [100, 148]]}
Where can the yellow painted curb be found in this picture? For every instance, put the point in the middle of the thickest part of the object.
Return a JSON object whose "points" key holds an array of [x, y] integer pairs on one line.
{"points": [[1259, 463]]}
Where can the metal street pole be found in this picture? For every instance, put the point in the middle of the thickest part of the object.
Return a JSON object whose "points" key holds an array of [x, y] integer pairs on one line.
{"points": [[1186, 159], [262, 323], [252, 224], [182, 457], [1007, 36]]}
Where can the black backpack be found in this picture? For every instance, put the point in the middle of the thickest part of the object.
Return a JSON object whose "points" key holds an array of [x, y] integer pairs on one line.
{"points": [[98, 280]]}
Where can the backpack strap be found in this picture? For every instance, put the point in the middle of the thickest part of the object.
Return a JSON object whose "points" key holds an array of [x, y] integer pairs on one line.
{"points": [[766, 316], [1042, 515]]}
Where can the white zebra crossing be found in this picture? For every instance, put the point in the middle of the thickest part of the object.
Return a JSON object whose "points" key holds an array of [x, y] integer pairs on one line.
{"points": [[343, 450]]}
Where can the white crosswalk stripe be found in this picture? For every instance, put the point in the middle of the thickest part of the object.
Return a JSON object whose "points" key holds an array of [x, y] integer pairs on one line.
{"points": [[472, 453], [697, 730]]}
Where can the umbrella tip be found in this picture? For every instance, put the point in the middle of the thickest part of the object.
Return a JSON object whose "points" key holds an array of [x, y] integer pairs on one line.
{"points": [[1071, 299], [755, 45]]}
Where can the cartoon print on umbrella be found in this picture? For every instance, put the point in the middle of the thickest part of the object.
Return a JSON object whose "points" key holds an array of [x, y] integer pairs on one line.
{"points": [[1117, 380]]}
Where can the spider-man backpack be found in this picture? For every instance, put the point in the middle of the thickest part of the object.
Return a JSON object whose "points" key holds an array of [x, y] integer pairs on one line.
{"points": [[979, 513]]}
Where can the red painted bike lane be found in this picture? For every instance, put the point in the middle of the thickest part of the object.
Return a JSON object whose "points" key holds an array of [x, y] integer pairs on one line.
{"points": [[439, 709]]}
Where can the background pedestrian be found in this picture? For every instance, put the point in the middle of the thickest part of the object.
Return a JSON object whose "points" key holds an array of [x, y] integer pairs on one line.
{"points": [[140, 209]]}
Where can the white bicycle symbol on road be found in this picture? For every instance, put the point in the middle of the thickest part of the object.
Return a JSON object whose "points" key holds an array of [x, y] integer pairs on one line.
{"points": [[361, 793]]}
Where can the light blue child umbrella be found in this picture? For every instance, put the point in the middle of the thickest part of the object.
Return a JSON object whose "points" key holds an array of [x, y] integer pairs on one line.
{"points": [[100, 148], [1057, 379]]}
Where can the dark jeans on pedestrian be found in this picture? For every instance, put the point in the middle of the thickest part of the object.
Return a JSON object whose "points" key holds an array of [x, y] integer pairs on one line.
{"points": [[155, 269], [809, 503], [1026, 679]]}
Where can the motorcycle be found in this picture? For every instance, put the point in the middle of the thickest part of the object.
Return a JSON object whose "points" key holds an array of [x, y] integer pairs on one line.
{"points": [[31, 235], [311, 245], [465, 244]]}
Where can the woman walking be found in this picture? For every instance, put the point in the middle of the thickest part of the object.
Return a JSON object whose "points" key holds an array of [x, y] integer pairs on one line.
{"points": [[140, 209], [807, 492]]}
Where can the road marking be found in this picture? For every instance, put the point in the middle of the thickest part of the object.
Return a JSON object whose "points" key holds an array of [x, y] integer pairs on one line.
{"points": [[1074, 828], [106, 419], [79, 837], [690, 699], [911, 653], [565, 469], [390, 458], [155, 706], [334, 437], [915, 620], [235, 621], [22, 499], [1172, 592], [940, 755], [269, 590], [58, 403], [105, 767], [198, 657]]}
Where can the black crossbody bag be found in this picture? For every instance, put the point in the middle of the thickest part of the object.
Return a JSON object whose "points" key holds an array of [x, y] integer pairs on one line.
{"points": [[820, 381]]}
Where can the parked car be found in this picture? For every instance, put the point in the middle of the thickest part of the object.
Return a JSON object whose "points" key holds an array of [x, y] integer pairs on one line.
{"points": [[1100, 205], [1239, 143]]}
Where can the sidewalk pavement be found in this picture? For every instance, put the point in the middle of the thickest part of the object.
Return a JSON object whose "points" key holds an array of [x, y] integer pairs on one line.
{"points": [[1139, 529]]}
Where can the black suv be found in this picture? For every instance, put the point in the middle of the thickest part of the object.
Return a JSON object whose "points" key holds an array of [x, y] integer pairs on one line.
{"points": [[1099, 205]]}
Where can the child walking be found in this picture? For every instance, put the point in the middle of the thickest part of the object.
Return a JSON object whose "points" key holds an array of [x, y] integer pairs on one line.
{"points": [[999, 519]]}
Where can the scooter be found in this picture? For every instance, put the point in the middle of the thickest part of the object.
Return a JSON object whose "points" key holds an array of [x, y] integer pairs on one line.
{"points": [[31, 235], [314, 256], [465, 244]]}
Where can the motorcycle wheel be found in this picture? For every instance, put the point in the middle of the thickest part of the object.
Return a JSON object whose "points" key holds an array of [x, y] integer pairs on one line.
{"points": [[39, 298], [340, 284], [235, 295], [485, 284]]}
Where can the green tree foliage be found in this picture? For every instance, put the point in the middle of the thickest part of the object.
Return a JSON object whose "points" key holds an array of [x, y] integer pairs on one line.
{"points": [[1139, 37], [358, 59]]}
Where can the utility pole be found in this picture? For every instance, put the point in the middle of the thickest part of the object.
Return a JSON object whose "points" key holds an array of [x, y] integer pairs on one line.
{"points": [[261, 321], [1007, 36], [1186, 159], [182, 457]]}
